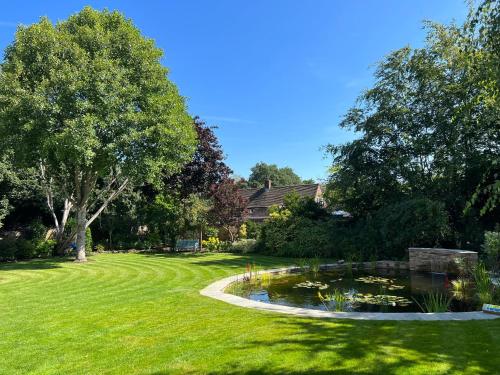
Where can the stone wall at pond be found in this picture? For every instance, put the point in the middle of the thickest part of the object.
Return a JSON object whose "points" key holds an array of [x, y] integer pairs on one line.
{"points": [[438, 260]]}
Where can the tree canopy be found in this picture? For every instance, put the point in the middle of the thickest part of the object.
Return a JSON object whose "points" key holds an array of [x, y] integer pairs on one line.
{"points": [[89, 104], [261, 172], [429, 127], [206, 168]]}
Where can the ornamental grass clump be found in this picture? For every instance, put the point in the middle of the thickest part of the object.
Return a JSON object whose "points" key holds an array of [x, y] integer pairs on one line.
{"points": [[435, 302], [339, 299], [484, 287], [314, 265], [302, 264]]}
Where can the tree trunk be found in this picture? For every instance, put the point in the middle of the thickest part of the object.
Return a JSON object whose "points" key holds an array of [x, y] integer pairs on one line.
{"points": [[81, 226], [201, 239], [230, 232]]}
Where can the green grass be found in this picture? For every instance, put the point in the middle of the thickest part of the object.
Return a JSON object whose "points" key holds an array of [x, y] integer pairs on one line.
{"points": [[142, 314]]}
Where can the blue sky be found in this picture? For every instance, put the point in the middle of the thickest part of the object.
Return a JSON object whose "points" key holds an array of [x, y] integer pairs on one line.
{"points": [[276, 76]]}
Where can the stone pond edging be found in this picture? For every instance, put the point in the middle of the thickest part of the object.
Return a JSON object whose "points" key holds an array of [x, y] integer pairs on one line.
{"points": [[216, 291]]}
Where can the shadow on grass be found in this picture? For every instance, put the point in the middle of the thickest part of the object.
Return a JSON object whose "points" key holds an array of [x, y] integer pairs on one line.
{"points": [[316, 347], [229, 260], [242, 260], [35, 264], [367, 347]]}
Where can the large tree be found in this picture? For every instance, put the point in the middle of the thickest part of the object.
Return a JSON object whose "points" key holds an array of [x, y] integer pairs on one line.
{"points": [[429, 127], [261, 172], [89, 104]]}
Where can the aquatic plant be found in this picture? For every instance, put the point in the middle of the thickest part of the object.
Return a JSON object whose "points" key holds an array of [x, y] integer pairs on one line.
{"points": [[302, 263], [251, 272], [387, 283], [314, 265], [484, 285], [338, 298], [265, 280], [380, 299], [311, 285], [435, 302], [237, 288]]}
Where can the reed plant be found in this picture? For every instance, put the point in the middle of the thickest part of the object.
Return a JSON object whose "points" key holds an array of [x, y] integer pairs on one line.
{"points": [[435, 302], [314, 265], [339, 299], [302, 263], [265, 280], [483, 283]]}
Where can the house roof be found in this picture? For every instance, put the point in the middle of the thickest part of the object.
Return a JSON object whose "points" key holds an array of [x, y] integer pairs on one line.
{"points": [[261, 197]]}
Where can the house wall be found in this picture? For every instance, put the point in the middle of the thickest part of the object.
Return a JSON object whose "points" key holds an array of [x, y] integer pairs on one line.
{"points": [[258, 213]]}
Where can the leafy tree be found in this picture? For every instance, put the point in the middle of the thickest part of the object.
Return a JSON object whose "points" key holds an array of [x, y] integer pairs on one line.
{"points": [[21, 197], [172, 215], [88, 103], [484, 51], [416, 222], [428, 128], [261, 172], [207, 167], [229, 207]]}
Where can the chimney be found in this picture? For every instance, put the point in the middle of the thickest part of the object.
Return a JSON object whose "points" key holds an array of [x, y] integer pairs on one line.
{"points": [[267, 184]]}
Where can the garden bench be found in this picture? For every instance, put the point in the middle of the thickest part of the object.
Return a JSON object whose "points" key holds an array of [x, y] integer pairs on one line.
{"points": [[187, 245]]}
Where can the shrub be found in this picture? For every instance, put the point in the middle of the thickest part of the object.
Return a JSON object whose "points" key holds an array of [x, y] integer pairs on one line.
{"points": [[8, 249], [302, 229], [36, 231], [491, 248], [253, 229], [45, 248], [416, 222], [243, 246], [285, 235], [242, 233], [484, 285], [99, 248], [25, 249], [212, 244]]}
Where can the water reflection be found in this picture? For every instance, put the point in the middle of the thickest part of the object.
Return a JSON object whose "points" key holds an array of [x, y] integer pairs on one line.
{"points": [[380, 291]]}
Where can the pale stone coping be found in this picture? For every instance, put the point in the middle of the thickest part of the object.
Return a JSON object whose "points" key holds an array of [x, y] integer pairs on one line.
{"points": [[216, 291], [442, 250]]}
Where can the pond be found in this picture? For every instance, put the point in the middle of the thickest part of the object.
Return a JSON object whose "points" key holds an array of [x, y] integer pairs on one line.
{"points": [[357, 290]]}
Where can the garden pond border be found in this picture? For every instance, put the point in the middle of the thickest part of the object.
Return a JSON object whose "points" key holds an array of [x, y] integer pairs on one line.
{"points": [[217, 289]]}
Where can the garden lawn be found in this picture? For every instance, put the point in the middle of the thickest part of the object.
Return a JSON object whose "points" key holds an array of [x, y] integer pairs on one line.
{"points": [[143, 314]]}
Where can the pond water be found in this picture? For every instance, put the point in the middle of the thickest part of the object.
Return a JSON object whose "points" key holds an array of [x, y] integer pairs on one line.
{"points": [[355, 290]]}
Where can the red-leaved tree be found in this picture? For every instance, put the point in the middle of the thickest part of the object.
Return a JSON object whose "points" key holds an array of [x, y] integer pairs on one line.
{"points": [[229, 207]]}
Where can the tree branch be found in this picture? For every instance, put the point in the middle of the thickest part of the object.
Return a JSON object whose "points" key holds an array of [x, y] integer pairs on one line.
{"points": [[113, 195]]}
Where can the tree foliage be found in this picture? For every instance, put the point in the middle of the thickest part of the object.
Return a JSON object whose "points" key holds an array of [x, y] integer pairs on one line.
{"points": [[88, 103], [261, 172], [229, 207], [429, 127], [206, 168]]}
